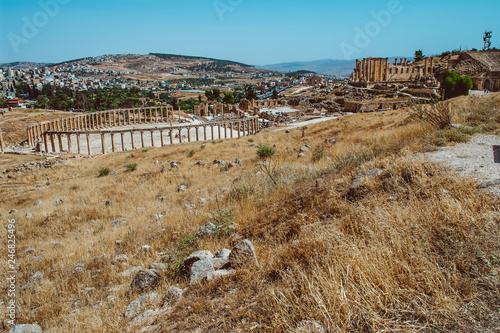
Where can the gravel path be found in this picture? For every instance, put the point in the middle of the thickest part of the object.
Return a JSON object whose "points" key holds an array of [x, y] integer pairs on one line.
{"points": [[474, 159]]}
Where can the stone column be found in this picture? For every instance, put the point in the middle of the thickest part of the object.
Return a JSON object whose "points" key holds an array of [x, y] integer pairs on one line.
{"points": [[132, 138], [220, 130], [2, 146], [45, 139], [171, 135], [239, 129], [212, 132], [113, 142], [103, 144], [180, 134], [152, 138], [142, 139], [197, 133], [231, 129], [156, 115], [59, 138], [78, 144], [189, 134], [225, 131], [161, 138], [123, 141], [204, 133], [53, 144], [69, 142], [88, 144]]}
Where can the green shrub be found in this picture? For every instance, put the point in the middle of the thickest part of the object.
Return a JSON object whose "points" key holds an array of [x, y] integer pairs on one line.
{"points": [[131, 167], [264, 151], [191, 153], [456, 85], [104, 172], [251, 140]]}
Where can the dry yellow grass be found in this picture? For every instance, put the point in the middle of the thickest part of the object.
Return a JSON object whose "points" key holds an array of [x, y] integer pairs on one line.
{"points": [[415, 249]]}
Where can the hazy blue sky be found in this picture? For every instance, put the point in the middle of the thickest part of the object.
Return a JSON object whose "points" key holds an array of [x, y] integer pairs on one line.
{"points": [[252, 31]]}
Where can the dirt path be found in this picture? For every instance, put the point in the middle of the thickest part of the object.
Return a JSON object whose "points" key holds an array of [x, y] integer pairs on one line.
{"points": [[474, 159]]}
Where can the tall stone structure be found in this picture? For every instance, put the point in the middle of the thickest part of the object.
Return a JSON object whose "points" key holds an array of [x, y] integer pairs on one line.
{"points": [[373, 70]]}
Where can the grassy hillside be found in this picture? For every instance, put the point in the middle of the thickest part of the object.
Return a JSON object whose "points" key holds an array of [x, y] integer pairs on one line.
{"points": [[414, 248]]}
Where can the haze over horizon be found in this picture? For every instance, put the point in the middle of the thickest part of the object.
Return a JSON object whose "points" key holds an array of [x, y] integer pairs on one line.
{"points": [[257, 32]]}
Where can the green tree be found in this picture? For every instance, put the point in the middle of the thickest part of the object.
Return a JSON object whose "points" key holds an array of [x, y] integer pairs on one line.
{"points": [[228, 98], [213, 94], [42, 101], [250, 93], [275, 94], [419, 55], [456, 85]]}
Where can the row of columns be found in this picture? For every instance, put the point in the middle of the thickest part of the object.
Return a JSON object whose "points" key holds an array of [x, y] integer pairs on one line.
{"points": [[99, 120], [244, 128]]}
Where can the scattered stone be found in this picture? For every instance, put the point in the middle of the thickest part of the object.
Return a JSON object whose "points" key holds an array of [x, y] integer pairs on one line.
{"points": [[361, 178], [309, 326], [158, 266], [29, 215], [287, 132], [172, 296], [59, 201], [185, 267], [207, 230], [147, 248], [182, 188], [174, 165], [98, 262], [201, 269], [143, 315], [238, 161], [489, 184], [56, 244], [36, 203], [220, 273], [26, 328], [29, 250], [119, 221], [131, 271], [145, 280], [109, 203], [221, 259], [12, 211], [135, 306], [78, 268], [162, 199], [119, 260], [201, 163], [243, 255], [301, 155], [34, 280], [331, 140]]}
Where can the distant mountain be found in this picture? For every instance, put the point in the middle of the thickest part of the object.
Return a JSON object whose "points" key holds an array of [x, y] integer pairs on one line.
{"points": [[24, 65], [327, 66]]}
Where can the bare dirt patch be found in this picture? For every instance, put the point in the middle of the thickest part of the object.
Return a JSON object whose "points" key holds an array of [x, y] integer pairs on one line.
{"points": [[474, 159]]}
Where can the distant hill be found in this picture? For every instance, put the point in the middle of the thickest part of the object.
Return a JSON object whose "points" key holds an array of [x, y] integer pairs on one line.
{"points": [[343, 68], [327, 66], [24, 65]]}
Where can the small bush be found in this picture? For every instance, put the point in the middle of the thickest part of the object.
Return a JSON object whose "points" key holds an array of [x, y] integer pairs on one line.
{"points": [[104, 172], [191, 153], [203, 146], [438, 114], [131, 167], [144, 150], [250, 140], [318, 154], [452, 135], [264, 151]]}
